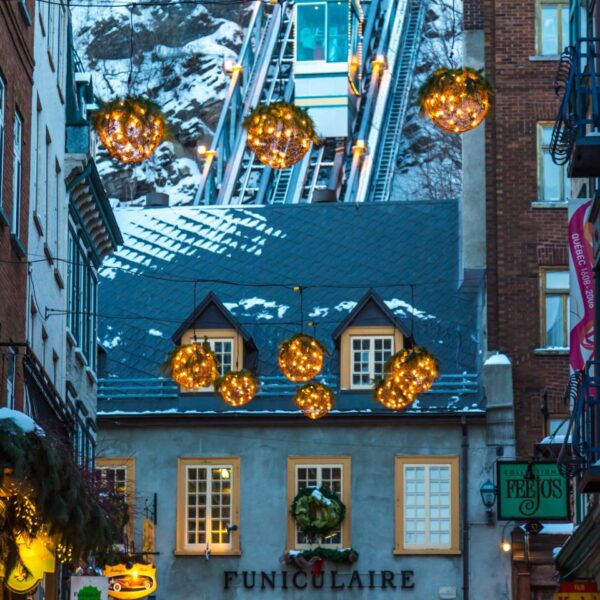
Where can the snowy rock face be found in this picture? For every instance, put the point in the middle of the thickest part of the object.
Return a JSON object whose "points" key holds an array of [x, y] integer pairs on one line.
{"points": [[178, 52], [430, 163]]}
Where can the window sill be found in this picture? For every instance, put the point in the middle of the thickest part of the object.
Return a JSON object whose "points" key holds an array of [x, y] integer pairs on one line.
{"points": [[37, 221], [81, 359], [432, 552], [48, 254], [51, 61], [58, 278], [91, 376], [551, 351], [549, 204], [212, 554], [71, 339], [544, 57], [17, 245], [3, 217], [61, 95]]}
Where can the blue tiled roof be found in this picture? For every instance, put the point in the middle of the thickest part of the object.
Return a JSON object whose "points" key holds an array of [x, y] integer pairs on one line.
{"points": [[251, 258]]}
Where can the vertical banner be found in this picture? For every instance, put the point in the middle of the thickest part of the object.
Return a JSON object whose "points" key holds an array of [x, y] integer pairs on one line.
{"points": [[581, 284]]}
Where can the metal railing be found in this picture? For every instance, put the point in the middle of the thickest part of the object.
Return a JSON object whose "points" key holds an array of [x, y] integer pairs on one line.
{"points": [[164, 388], [579, 114]]}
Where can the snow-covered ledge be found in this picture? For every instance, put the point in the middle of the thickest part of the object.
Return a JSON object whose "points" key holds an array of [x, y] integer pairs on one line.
{"points": [[23, 422]]}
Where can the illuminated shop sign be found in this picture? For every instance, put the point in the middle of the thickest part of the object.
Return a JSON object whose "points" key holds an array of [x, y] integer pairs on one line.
{"points": [[126, 583], [330, 580], [37, 560], [532, 491], [577, 590]]}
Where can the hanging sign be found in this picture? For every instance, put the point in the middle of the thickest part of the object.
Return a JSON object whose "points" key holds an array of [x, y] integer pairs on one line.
{"points": [[577, 590], [532, 492], [149, 540], [37, 559], [581, 284], [89, 587], [130, 583]]}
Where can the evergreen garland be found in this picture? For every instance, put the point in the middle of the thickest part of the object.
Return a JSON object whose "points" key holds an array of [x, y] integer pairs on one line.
{"points": [[43, 488], [317, 510], [335, 555]]}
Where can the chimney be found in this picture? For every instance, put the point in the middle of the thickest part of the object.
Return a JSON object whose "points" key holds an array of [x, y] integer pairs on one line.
{"points": [[157, 200]]}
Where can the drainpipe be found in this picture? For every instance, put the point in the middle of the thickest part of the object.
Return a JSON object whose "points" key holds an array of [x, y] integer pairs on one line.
{"points": [[465, 505]]}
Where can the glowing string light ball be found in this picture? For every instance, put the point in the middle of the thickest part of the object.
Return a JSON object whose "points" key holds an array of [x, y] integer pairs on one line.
{"points": [[237, 387], [456, 100], [194, 366], [415, 369], [315, 400], [279, 134], [130, 128], [393, 394], [301, 357]]}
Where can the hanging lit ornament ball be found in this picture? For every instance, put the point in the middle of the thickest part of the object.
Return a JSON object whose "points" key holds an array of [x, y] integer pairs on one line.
{"points": [[393, 394], [456, 100], [237, 387], [414, 369], [130, 128], [279, 134], [315, 400], [194, 366], [301, 357]]}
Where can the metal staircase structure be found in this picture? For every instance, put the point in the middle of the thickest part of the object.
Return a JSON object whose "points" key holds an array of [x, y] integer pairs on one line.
{"points": [[358, 168]]}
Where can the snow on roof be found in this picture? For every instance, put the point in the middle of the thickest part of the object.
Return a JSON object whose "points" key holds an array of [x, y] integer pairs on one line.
{"points": [[497, 359]]}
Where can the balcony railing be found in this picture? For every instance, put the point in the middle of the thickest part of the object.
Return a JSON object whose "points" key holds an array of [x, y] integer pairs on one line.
{"points": [[576, 134], [581, 449]]}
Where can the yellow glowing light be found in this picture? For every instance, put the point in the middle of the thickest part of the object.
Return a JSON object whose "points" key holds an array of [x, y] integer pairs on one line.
{"points": [[225, 474], [130, 129], [315, 400], [456, 100], [194, 366], [415, 369], [301, 358], [393, 395], [279, 134], [506, 546], [237, 387], [36, 559]]}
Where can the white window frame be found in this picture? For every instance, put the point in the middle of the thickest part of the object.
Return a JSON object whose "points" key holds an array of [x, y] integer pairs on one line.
{"points": [[232, 464], [372, 375], [562, 36], [543, 150], [15, 223], [427, 463], [563, 293]]}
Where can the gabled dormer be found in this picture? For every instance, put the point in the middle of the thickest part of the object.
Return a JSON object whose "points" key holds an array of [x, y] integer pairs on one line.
{"points": [[367, 338], [231, 343]]}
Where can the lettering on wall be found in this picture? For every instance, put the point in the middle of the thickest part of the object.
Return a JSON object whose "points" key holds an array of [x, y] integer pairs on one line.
{"points": [[330, 580]]}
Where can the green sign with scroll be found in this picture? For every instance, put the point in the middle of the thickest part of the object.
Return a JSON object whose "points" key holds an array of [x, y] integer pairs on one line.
{"points": [[532, 492]]}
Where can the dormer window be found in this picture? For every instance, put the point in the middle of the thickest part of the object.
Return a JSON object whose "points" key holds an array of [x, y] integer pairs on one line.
{"points": [[367, 339], [211, 321], [369, 353]]}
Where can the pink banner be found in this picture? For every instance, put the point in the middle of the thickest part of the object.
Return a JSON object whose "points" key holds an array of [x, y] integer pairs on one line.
{"points": [[581, 339]]}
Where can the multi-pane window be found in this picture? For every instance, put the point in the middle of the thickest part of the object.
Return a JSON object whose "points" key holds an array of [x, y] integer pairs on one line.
{"points": [[555, 308], [552, 26], [117, 476], [553, 184], [427, 504], [208, 506], [2, 115], [332, 473], [16, 196], [223, 349], [368, 355], [322, 32]]}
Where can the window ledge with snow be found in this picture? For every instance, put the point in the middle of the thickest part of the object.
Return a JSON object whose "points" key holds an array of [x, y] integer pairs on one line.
{"points": [[544, 57], [552, 350], [550, 204]]}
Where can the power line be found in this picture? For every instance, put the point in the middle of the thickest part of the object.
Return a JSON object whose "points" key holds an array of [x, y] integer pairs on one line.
{"points": [[143, 3]]}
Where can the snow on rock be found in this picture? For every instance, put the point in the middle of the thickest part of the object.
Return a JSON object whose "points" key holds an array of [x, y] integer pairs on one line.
{"points": [[178, 52], [22, 421]]}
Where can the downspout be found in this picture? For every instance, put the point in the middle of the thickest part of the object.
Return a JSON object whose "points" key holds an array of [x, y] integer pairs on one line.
{"points": [[465, 505]]}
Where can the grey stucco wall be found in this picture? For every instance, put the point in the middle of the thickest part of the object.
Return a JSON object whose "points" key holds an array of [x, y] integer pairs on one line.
{"points": [[264, 451]]}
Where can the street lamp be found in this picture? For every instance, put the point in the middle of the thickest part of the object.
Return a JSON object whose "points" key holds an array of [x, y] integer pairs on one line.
{"points": [[488, 497]]}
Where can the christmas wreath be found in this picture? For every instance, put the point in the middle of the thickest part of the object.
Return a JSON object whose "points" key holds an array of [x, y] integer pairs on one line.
{"points": [[317, 510]]}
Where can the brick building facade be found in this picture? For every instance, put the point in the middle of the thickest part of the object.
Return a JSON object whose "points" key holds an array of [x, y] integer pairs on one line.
{"points": [[16, 80], [526, 234]]}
